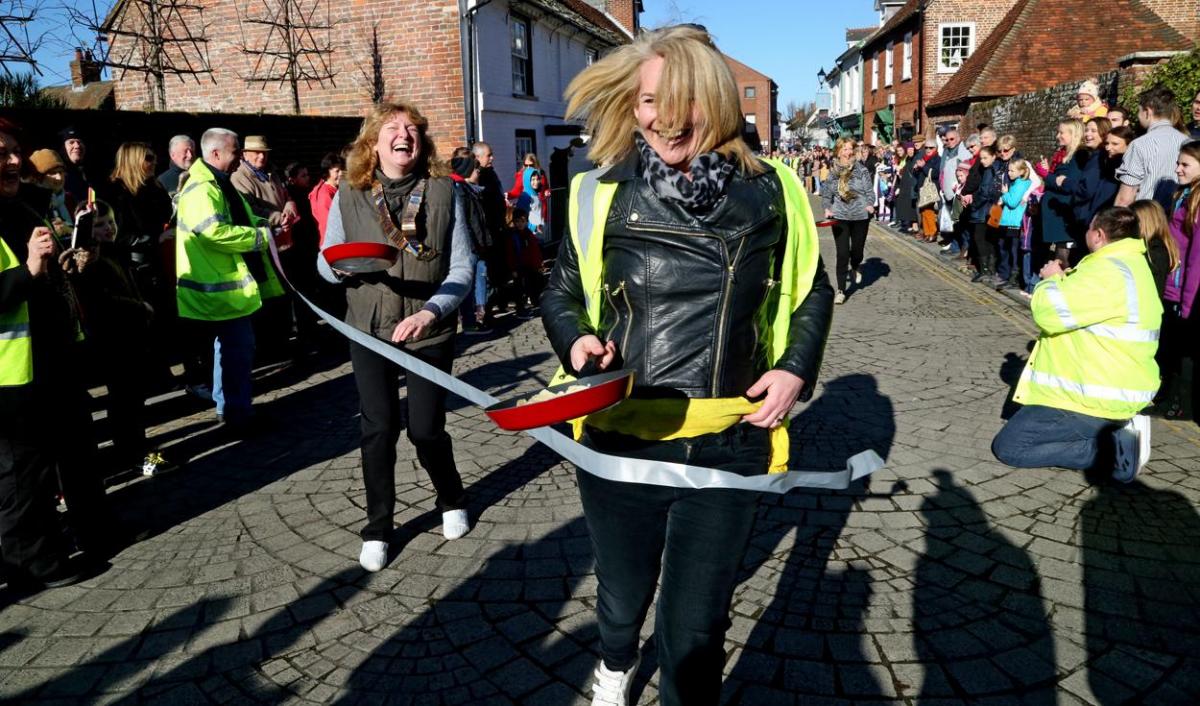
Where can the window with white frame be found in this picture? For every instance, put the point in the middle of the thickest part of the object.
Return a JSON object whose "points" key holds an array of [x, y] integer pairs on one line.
{"points": [[875, 72], [751, 92], [889, 64], [751, 118], [956, 42], [522, 57], [906, 67], [593, 55]]}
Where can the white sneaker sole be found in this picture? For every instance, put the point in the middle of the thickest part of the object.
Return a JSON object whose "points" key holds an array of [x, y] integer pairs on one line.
{"points": [[373, 556], [455, 524], [1141, 424]]}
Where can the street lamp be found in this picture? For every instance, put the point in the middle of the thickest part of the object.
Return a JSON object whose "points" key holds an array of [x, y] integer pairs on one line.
{"points": [[821, 75]]}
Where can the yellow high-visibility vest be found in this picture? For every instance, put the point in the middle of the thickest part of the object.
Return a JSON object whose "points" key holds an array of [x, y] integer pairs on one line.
{"points": [[1100, 325], [16, 345]]}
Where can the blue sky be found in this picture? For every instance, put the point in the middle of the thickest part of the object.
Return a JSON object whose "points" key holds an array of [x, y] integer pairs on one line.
{"points": [[788, 41]]}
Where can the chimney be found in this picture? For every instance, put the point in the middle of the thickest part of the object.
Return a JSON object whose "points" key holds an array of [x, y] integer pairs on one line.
{"points": [[84, 69]]}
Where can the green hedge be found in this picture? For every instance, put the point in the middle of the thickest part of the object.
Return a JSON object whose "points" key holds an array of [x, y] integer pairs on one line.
{"points": [[1181, 74]]}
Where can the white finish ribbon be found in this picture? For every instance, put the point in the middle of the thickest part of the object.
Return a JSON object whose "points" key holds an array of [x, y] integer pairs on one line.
{"points": [[615, 468]]}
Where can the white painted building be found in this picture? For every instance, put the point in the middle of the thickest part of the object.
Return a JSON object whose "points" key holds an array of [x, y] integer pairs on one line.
{"points": [[525, 54]]}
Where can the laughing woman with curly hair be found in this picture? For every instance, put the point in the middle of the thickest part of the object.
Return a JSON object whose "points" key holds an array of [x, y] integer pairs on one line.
{"points": [[396, 191]]}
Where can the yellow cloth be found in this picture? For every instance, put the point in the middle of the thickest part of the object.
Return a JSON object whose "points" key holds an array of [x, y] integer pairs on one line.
{"points": [[666, 419]]}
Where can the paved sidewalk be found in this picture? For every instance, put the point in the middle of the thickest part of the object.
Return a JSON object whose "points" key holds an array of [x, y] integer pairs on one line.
{"points": [[948, 578]]}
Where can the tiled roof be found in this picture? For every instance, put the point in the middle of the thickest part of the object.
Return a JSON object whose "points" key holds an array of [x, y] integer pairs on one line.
{"points": [[902, 15], [729, 59], [596, 17], [93, 96], [1042, 43], [855, 34]]}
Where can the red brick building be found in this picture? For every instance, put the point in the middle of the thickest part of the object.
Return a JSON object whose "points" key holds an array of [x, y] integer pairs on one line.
{"points": [[495, 72], [944, 34], [759, 96], [1040, 44]]}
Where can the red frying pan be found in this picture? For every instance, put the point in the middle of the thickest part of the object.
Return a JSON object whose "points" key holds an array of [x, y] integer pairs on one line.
{"points": [[358, 258], [598, 392]]}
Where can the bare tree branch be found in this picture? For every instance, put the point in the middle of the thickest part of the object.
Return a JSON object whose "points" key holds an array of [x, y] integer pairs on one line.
{"points": [[19, 40], [296, 47]]}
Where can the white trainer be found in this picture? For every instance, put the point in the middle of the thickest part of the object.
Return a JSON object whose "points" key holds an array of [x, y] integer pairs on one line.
{"points": [[612, 688], [840, 297], [1132, 443], [373, 556], [455, 524]]}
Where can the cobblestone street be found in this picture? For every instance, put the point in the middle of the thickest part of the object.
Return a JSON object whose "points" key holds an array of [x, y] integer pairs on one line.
{"points": [[947, 578]]}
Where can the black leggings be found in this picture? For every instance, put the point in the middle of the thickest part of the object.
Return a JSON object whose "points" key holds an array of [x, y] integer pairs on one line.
{"points": [[849, 237], [378, 381]]}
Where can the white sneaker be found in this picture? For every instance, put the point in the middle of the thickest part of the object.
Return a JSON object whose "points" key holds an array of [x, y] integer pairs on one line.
{"points": [[373, 556], [1132, 447], [612, 688], [455, 524], [858, 277], [840, 297]]}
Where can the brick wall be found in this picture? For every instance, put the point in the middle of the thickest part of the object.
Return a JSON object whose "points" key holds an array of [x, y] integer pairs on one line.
{"points": [[624, 11], [985, 14], [292, 137], [1033, 117], [762, 105], [907, 106], [420, 49], [1183, 15]]}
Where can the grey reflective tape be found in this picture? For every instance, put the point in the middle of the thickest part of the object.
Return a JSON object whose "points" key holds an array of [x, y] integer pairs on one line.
{"points": [[1100, 392], [11, 332], [1131, 294], [258, 237], [217, 287], [204, 224], [585, 210], [192, 185], [1133, 334], [616, 468], [1059, 302]]}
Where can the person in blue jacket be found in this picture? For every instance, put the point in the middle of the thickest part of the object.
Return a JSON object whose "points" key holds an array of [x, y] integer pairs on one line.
{"points": [[982, 199], [1060, 226], [1013, 200]]}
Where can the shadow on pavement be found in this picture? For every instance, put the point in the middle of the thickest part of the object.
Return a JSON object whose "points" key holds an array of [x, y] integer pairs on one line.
{"points": [[510, 374], [873, 269], [1141, 579], [979, 619], [536, 574], [808, 641]]}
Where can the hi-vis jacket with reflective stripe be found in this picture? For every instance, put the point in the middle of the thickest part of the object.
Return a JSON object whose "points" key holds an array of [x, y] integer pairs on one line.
{"points": [[16, 347], [212, 280], [1099, 324]]}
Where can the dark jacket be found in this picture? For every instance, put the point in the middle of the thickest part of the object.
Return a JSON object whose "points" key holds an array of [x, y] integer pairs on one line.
{"points": [[987, 192], [170, 179], [1059, 222], [686, 290], [1160, 263], [932, 168], [1096, 189]]}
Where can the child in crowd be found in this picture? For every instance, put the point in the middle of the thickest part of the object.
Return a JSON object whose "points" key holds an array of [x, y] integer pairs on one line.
{"points": [[524, 256], [959, 214], [1180, 334], [1014, 198], [533, 202], [51, 175]]}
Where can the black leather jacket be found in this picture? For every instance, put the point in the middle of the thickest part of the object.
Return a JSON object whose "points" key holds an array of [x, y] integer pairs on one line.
{"points": [[684, 293]]}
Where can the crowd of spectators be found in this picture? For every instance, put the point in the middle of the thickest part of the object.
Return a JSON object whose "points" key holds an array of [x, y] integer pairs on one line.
{"points": [[102, 298]]}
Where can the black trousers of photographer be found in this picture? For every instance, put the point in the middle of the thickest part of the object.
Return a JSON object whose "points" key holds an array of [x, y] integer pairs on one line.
{"points": [[378, 380]]}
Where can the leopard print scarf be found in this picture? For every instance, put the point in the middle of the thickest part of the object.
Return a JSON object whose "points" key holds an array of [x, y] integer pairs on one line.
{"points": [[710, 172]]}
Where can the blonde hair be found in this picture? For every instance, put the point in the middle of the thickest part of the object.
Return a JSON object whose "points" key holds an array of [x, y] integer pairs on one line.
{"points": [[1007, 142], [537, 164], [1021, 166], [1074, 137], [695, 77], [130, 166], [361, 159], [1152, 225]]}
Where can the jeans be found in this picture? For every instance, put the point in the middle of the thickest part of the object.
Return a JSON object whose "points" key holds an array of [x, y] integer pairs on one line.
{"points": [[378, 382], [850, 237], [695, 538], [1029, 275], [233, 361], [1042, 437], [471, 304], [1009, 247]]}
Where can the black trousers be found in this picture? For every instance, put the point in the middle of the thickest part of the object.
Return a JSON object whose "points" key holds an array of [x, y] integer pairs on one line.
{"points": [[850, 237], [694, 538], [378, 380], [123, 364], [983, 240]]}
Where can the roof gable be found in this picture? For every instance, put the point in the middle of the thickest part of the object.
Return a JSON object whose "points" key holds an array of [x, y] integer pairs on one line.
{"points": [[1042, 43]]}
